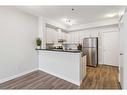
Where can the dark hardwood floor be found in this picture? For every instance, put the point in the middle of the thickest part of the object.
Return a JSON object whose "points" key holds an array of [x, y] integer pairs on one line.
{"points": [[102, 77], [38, 80]]}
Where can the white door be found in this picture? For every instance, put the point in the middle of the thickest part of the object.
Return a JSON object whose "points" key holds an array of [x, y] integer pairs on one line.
{"points": [[123, 51], [111, 48], [121, 29]]}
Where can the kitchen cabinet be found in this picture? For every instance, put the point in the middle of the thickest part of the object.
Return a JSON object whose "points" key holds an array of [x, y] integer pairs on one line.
{"points": [[95, 34], [73, 38], [77, 37], [53, 35], [61, 35], [50, 35], [64, 35]]}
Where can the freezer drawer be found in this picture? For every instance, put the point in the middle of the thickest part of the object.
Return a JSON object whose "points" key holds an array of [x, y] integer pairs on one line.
{"points": [[92, 57]]}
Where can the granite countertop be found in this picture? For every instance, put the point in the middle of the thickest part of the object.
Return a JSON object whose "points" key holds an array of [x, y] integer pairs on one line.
{"points": [[60, 50]]}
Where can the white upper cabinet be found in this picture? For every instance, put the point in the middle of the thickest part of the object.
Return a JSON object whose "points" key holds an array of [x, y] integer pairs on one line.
{"points": [[83, 35], [95, 34], [77, 37], [53, 35], [71, 38], [63, 35], [50, 36]]}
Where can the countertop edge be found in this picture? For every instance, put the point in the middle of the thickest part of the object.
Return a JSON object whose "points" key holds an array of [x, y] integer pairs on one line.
{"points": [[60, 50]]}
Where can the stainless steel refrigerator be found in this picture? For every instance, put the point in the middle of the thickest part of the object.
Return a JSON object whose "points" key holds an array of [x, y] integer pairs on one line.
{"points": [[90, 48]]}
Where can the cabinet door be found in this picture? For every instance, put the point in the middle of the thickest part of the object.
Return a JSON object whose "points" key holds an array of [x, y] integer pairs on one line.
{"points": [[75, 37], [71, 38], [56, 37], [65, 36], [49, 35], [62, 35], [81, 36], [87, 34], [94, 34]]}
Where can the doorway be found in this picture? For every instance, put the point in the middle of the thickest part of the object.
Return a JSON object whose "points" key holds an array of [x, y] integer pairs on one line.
{"points": [[111, 48]]}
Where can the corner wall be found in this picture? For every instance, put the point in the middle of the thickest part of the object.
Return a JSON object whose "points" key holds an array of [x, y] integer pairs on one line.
{"points": [[18, 31]]}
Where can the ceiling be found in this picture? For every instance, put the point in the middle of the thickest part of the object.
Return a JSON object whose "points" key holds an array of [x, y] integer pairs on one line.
{"points": [[80, 14]]}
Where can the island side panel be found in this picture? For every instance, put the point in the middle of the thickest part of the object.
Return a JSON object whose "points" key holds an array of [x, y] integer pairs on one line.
{"points": [[82, 68], [64, 65]]}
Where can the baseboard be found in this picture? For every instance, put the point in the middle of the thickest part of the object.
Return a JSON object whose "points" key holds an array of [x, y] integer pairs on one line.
{"points": [[111, 65], [16, 76], [26, 72], [62, 77]]}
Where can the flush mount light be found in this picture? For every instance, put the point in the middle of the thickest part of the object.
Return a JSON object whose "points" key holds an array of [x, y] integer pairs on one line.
{"points": [[68, 20]]}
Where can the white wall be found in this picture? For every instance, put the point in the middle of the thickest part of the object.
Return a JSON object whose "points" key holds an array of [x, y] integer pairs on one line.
{"points": [[18, 31], [77, 36]]}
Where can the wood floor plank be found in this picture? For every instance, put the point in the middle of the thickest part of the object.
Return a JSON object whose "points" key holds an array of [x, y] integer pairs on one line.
{"points": [[102, 77]]}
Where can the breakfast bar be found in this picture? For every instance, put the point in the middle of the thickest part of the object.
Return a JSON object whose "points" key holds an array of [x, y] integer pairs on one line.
{"points": [[69, 65]]}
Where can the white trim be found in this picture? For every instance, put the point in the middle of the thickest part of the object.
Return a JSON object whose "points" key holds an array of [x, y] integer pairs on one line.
{"points": [[16, 76], [60, 76]]}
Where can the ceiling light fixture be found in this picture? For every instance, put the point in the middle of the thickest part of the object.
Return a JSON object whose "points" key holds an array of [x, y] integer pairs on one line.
{"points": [[68, 20]]}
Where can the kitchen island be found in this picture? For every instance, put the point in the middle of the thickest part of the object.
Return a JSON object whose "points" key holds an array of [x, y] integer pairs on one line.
{"points": [[69, 65]]}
